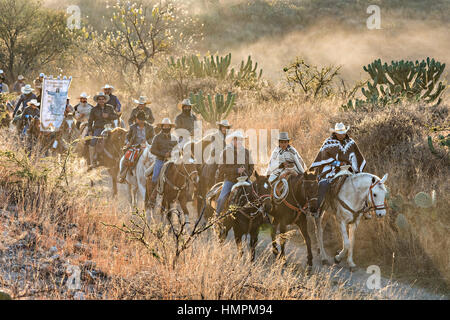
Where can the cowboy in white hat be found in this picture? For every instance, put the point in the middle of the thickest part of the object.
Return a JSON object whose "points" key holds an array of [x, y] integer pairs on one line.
{"points": [[285, 159], [113, 100], [3, 86], [101, 115], [25, 97], [162, 146], [141, 106], [82, 109], [337, 150], [31, 111], [186, 120], [17, 87], [235, 162]]}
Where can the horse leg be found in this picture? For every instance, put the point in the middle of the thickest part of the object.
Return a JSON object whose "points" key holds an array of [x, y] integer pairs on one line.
{"points": [[303, 226], [238, 239], [345, 242], [282, 238], [273, 234], [351, 232], [253, 242], [319, 234]]}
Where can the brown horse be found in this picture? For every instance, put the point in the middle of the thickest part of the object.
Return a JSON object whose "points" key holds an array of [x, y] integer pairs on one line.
{"points": [[110, 151], [245, 211], [293, 209]]}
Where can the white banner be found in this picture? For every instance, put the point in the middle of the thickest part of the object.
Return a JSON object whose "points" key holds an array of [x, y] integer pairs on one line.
{"points": [[53, 102]]}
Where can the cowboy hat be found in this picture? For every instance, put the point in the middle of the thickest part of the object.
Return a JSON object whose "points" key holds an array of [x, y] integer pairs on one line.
{"points": [[101, 94], [20, 77], [27, 89], [224, 123], [108, 86], [236, 134], [142, 100], [340, 128], [284, 136], [166, 121], [84, 95], [1, 71], [33, 102], [186, 102], [41, 75]]}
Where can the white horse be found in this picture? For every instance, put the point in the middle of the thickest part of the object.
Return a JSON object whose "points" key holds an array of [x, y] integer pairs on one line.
{"points": [[360, 193], [136, 177]]}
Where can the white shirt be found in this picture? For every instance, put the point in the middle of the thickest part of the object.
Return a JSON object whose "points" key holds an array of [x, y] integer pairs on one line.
{"points": [[280, 156]]}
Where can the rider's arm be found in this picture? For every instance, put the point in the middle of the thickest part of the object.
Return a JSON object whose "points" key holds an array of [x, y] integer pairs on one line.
{"points": [[132, 118], [155, 148], [91, 122], [18, 105], [150, 134], [151, 119]]}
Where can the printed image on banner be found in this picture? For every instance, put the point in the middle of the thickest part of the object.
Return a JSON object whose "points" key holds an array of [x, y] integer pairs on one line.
{"points": [[53, 103]]}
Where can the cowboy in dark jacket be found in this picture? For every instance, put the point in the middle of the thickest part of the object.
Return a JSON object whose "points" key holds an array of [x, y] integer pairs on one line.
{"points": [[162, 146], [139, 134], [142, 102], [26, 96], [113, 100], [186, 120], [236, 162], [101, 115], [30, 112]]}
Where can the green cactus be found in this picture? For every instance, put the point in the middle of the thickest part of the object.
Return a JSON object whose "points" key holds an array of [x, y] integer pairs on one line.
{"points": [[418, 81], [396, 203], [423, 200], [213, 110], [401, 222]]}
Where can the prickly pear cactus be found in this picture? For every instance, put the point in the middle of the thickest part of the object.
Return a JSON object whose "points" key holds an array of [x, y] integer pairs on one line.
{"points": [[396, 203], [417, 81], [213, 110], [423, 200], [402, 222]]}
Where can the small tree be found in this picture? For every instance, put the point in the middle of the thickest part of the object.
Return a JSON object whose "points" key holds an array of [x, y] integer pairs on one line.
{"points": [[30, 36]]}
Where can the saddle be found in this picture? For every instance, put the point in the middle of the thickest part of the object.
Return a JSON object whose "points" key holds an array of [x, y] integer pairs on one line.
{"points": [[338, 182], [131, 156]]}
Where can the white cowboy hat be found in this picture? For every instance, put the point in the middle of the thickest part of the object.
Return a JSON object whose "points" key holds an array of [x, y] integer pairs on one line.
{"points": [[33, 102], [41, 75], [84, 95], [284, 136], [236, 134], [166, 121], [142, 100], [186, 102], [340, 128], [101, 94], [20, 77], [27, 89], [108, 86], [1, 71], [224, 123]]}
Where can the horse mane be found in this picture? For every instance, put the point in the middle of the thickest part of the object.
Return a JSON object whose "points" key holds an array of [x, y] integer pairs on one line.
{"points": [[369, 175]]}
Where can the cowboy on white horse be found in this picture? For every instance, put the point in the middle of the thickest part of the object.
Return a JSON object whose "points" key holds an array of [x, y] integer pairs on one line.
{"points": [[337, 150], [284, 158]]}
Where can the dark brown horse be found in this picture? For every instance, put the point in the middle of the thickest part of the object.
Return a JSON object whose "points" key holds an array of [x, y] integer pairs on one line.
{"points": [[245, 211], [293, 210], [109, 147]]}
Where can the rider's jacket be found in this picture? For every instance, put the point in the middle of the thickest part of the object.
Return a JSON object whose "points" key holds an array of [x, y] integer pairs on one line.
{"points": [[82, 111], [162, 144], [148, 115], [4, 88], [30, 112], [232, 159], [96, 120], [280, 157], [335, 153], [23, 100], [185, 121], [133, 137], [114, 101]]}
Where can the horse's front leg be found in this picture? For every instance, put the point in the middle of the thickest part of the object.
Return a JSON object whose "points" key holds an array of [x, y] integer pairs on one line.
{"points": [[238, 240], [351, 232], [283, 229], [319, 234], [273, 234], [253, 242], [303, 226], [345, 241]]}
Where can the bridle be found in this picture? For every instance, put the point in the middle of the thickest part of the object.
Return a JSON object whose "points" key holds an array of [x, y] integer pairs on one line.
{"points": [[297, 207], [365, 208], [186, 175]]}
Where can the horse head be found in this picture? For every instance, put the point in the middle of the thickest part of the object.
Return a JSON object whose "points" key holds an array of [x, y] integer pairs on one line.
{"points": [[311, 190], [263, 190], [377, 195]]}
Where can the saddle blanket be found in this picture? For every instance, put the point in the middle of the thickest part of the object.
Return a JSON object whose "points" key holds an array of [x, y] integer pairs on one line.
{"points": [[131, 156]]}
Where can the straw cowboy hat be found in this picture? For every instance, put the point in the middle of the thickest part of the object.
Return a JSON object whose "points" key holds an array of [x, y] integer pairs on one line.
{"points": [[27, 89], [224, 123], [84, 95], [142, 100], [284, 136], [108, 86], [101, 94], [20, 77], [33, 102], [340, 128], [166, 121], [41, 75], [236, 134], [185, 102]]}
